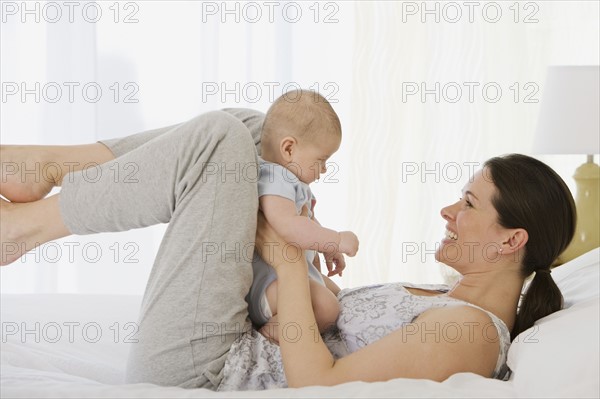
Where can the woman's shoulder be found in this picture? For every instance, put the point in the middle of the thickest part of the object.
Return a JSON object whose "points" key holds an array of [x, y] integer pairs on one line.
{"points": [[479, 330], [457, 338], [460, 314]]}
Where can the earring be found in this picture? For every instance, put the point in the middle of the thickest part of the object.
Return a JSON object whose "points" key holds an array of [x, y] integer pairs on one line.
{"points": [[500, 250]]}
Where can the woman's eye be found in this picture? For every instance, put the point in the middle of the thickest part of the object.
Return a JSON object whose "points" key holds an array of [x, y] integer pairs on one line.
{"points": [[467, 202]]}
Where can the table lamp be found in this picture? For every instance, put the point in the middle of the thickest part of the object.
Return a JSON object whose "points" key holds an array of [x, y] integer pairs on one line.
{"points": [[569, 124]]}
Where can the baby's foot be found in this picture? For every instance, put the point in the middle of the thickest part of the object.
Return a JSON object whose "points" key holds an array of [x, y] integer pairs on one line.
{"points": [[27, 173]]}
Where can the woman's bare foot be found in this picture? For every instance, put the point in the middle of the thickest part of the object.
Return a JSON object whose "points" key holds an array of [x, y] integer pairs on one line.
{"points": [[28, 174], [26, 226], [30, 171], [12, 234]]}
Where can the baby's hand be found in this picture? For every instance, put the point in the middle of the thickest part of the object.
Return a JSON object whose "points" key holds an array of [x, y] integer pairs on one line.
{"points": [[348, 243], [335, 263]]}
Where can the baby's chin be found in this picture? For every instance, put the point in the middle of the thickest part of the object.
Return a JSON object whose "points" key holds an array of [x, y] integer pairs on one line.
{"points": [[308, 181]]}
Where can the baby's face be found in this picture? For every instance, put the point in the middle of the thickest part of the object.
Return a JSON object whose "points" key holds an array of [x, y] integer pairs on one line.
{"points": [[309, 158]]}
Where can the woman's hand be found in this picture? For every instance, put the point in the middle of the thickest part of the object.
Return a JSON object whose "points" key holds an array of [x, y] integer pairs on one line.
{"points": [[272, 247]]}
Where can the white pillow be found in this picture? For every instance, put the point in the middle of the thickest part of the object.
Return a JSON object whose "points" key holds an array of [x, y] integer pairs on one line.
{"points": [[579, 279], [559, 355]]}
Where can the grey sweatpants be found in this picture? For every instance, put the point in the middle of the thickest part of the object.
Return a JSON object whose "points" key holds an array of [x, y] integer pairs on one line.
{"points": [[197, 177]]}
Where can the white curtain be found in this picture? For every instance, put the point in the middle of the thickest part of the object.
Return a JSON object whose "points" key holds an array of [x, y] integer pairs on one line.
{"points": [[160, 62], [411, 152]]}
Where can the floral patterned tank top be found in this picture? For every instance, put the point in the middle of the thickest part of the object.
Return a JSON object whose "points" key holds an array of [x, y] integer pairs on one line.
{"points": [[367, 314]]}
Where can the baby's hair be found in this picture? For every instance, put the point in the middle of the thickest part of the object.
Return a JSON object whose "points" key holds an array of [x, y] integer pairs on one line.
{"points": [[303, 114]]}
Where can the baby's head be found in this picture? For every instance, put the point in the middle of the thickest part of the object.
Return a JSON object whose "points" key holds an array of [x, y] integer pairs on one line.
{"points": [[301, 131]]}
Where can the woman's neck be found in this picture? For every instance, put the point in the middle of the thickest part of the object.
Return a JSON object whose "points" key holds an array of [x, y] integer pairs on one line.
{"points": [[495, 291]]}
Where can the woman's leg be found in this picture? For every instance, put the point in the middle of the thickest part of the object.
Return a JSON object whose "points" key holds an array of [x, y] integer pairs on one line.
{"points": [[250, 118], [194, 305], [200, 177], [29, 172], [121, 145]]}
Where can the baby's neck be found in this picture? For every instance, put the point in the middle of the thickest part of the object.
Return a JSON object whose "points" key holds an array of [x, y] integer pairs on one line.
{"points": [[269, 157]]}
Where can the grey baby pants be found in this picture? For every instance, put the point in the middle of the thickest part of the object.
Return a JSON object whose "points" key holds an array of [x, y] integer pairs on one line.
{"points": [[196, 176]]}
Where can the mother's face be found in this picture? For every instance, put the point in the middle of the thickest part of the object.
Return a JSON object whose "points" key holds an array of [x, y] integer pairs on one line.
{"points": [[473, 235]]}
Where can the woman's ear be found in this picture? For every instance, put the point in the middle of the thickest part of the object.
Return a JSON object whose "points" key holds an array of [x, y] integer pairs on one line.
{"points": [[286, 148], [515, 241]]}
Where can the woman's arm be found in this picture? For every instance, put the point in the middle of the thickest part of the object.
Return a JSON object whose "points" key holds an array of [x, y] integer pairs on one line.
{"points": [[439, 343]]}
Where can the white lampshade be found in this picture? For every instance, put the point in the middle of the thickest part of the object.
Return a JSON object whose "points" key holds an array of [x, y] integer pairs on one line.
{"points": [[570, 111]]}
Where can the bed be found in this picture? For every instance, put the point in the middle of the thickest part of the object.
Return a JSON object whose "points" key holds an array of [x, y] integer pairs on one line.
{"points": [[62, 345]]}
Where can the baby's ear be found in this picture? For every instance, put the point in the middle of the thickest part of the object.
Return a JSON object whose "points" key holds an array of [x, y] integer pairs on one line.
{"points": [[287, 147]]}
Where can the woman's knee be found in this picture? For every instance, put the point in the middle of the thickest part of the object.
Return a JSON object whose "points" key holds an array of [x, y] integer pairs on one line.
{"points": [[232, 154], [228, 130]]}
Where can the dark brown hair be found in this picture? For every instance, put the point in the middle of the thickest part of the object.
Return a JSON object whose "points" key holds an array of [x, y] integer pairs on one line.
{"points": [[532, 196]]}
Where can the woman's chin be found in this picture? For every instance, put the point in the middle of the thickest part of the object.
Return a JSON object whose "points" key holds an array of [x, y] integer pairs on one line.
{"points": [[441, 259], [448, 252]]}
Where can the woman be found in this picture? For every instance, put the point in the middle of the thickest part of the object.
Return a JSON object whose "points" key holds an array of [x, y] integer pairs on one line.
{"points": [[515, 217]]}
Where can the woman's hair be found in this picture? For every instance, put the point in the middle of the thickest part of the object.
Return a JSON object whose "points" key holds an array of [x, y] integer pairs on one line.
{"points": [[532, 196]]}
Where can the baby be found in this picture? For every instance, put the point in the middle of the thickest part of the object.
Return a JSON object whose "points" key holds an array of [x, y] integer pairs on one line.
{"points": [[299, 134]]}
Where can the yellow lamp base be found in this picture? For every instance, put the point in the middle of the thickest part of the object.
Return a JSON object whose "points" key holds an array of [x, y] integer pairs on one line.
{"points": [[587, 232]]}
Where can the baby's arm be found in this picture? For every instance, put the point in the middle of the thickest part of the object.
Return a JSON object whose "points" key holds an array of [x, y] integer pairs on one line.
{"points": [[334, 261], [280, 212]]}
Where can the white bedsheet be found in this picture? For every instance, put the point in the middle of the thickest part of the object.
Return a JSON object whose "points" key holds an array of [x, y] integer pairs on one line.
{"points": [[76, 346], [57, 367]]}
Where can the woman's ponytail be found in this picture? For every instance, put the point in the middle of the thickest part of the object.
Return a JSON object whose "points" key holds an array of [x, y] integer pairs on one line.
{"points": [[542, 298]]}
